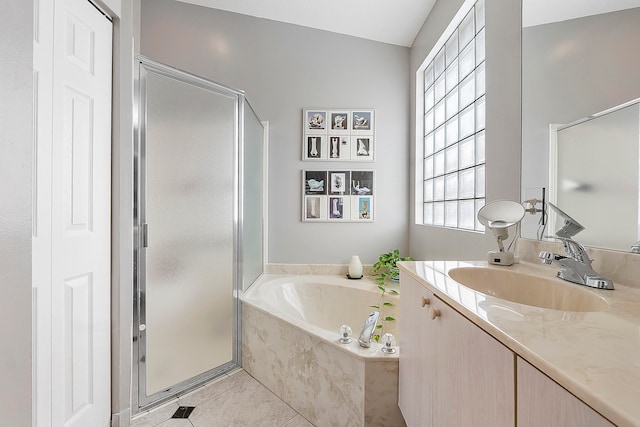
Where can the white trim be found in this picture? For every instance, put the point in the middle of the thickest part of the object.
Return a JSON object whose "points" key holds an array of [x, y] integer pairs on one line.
{"points": [[552, 195], [455, 22], [265, 193], [599, 114], [418, 178]]}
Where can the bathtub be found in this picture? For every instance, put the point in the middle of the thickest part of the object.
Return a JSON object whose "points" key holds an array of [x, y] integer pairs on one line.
{"points": [[290, 344]]}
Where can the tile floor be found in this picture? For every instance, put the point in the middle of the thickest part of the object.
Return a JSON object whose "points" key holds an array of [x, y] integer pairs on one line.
{"points": [[235, 399]]}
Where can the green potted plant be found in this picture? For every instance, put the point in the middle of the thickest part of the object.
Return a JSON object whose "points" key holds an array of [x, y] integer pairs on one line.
{"points": [[386, 269]]}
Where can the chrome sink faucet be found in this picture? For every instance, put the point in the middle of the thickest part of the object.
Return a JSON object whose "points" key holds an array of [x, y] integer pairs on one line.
{"points": [[366, 334], [575, 266], [635, 249]]}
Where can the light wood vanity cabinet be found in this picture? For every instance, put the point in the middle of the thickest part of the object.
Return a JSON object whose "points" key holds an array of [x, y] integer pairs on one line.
{"points": [[453, 373], [542, 402], [416, 376]]}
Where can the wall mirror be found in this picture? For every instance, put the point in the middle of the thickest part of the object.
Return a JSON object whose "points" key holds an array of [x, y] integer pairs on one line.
{"points": [[581, 77]]}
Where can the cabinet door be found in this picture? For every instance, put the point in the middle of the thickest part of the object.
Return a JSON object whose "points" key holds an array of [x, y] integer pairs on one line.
{"points": [[417, 364], [475, 373], [542, 402]]}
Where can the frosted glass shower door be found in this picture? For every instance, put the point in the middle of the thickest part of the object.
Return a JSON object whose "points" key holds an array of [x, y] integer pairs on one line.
{"points": [[188, 193]]}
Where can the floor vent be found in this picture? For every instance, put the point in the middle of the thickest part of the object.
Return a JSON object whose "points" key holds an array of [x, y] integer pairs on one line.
{"points": [[183, 412]]}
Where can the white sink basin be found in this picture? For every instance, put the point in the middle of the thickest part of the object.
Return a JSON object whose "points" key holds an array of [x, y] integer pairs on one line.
{"points": [[529, 289]]}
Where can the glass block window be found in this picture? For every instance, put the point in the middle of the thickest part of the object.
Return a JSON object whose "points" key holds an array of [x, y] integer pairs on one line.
{"points": [[453, 160]]}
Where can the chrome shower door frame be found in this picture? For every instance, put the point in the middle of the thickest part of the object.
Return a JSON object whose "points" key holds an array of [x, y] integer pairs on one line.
{"points": [[140, 400]]}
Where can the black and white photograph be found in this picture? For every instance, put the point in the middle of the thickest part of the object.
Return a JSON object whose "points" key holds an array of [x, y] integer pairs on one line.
{"points": [[314, 147], [315, 182], [339, 121], [339, 182], [334, 147], [362, 183], [362, 148], [362, 121], [315, 121]]}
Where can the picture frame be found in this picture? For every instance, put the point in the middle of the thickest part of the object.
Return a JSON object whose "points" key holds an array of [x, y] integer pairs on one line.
{"points": [[344, 195], [363, 208], [338, 134]]}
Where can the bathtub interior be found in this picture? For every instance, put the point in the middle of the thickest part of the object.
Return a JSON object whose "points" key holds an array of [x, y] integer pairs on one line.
{"points": [[326, 302]]}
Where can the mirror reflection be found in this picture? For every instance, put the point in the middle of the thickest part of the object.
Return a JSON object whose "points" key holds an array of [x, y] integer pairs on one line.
{"points": [[596, 176], [580, 68]]}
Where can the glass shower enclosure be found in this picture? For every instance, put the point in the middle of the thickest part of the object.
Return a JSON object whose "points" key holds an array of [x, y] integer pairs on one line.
{"points": [[199, 228]]}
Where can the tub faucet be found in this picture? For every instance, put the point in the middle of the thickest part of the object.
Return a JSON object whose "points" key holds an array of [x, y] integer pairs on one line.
{"points": [[366, 334], [575, 266]]}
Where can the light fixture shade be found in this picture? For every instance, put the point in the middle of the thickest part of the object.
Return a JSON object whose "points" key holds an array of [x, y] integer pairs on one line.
{"points": [[501, 214]]}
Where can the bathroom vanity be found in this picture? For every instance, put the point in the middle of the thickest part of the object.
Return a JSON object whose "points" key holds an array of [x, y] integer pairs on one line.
{"points": [[479, 358]]}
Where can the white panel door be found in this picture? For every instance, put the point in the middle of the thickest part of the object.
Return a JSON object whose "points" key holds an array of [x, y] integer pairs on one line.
{"points": [[81, 178]]}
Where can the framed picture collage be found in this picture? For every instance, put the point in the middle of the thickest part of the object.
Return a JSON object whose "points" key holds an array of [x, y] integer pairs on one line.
{"points": [[340, 195], [340, 135]]}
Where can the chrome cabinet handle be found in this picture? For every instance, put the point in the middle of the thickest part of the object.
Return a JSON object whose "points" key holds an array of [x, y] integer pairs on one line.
{"points": [[144, 231]]}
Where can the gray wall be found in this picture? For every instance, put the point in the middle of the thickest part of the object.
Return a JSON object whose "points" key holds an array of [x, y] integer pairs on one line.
{"points": [[503, 26], [122, 212], [573, 69], [16, 146], [284, 68]]}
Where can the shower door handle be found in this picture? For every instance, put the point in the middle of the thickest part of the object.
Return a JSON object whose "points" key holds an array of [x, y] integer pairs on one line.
{"points": [[144, 236]]}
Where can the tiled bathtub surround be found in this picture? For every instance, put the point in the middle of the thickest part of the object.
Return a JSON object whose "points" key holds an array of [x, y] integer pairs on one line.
{"points": [[323, 269], [621, 267], [303, 363]]}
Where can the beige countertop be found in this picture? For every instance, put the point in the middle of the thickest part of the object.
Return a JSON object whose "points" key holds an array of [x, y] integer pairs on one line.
{"points": [[594, 355]]}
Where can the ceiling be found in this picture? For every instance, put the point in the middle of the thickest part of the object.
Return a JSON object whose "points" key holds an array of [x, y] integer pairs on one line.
{"points": [[538, 12], [390, 21], [394, 21]]}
